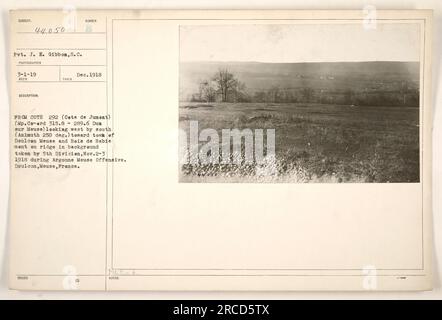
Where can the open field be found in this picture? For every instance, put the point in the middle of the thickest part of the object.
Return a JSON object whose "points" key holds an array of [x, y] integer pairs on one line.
{"points": [[314, 142]]}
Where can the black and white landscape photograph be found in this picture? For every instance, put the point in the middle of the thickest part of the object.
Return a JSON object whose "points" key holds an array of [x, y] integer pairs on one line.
{"points": [[300, 103]]}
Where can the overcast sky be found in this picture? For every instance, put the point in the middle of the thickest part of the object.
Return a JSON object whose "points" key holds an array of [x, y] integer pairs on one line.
{"points": [[300, 42]]}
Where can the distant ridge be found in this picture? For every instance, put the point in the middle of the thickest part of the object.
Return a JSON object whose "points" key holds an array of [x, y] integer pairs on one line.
{"points": [[368, 82], [336, 76]]}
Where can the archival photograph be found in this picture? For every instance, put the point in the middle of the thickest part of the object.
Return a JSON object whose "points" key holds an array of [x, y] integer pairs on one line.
{"points": [[299, 103]]}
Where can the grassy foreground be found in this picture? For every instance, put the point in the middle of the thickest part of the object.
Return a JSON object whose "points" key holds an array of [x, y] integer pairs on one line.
{"points": [[314, 142]]}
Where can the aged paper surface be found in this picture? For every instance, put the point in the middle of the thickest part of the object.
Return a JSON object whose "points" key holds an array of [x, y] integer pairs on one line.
{"points": [[220, 150]]}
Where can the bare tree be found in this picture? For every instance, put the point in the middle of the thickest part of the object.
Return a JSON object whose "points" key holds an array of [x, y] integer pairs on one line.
{"points": [[349, 96], [274, 94], [307, 94], [225, 82], [403, 91], [239, 91], [206, 91]]}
